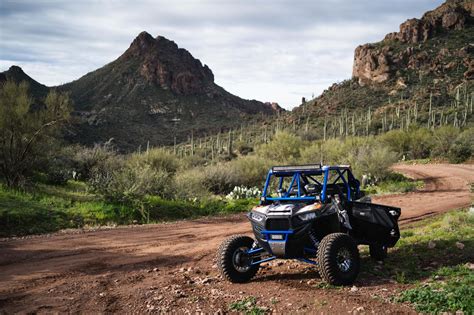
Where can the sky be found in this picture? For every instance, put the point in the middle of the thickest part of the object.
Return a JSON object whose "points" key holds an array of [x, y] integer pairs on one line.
{"points": [[269, 50]]}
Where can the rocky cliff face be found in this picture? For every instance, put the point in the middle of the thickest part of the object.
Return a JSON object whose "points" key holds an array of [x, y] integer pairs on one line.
{"points": [[168, 66], [377, 63]]}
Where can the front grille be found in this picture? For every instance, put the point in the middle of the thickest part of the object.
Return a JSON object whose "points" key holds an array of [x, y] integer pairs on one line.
{"points": [[278, 224], [257, 229]]}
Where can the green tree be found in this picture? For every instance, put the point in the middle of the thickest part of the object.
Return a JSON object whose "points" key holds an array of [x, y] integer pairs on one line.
{"points": [[27, 129]]}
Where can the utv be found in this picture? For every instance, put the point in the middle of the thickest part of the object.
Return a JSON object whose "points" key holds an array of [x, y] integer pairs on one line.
{"points": [[316, 214]]}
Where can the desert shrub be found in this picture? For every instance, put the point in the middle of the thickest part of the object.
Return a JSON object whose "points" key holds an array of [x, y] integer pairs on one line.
{"points": [[129, 180], [87, 158], [220, 178], [397, 140], [251, 170], [443, 138], [156, 159], [243, 148], [60, 167], [463, 147], [372, 159], [421, 142], [284, 147], [188, 184], [311, 153], [191, 161]]}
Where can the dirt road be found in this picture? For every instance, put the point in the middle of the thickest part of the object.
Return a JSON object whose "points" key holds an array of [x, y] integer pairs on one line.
{"points": [[166, 267]]}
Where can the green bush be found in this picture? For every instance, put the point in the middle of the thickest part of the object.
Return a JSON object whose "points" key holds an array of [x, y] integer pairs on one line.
{"points": [[443, 138], [129, 180], [463, 147], [156, 159], [284, 147], [374, 160], [243, 148], [397, 140], [251, 170], [421, 143], [188, 184], [220, 178], [60, 167], [86, 159]]}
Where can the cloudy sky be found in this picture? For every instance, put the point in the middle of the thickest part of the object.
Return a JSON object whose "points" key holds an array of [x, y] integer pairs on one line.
{"points": [[269, 50]]}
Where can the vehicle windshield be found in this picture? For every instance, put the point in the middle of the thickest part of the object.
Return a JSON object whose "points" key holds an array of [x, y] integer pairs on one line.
{"points": [[285, 183], [290, 185]]}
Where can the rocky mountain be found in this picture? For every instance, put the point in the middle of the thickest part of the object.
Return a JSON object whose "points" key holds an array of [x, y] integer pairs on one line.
{"points": [[424, 71], [376, 63], [16, 74], [154, 93]]}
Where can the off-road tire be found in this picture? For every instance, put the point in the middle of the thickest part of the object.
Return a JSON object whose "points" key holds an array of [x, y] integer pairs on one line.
{"points": [[378, 252], [225, 257], [330, 250]]}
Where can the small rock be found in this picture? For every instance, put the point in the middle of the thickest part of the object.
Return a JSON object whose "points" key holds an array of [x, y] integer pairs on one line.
{"points": [[384, 289], [102, 294], [459, 245], [155, 269], [359, 309], [182, 269], [206, 280], [354, 289], [431, 244], [470, 266]]}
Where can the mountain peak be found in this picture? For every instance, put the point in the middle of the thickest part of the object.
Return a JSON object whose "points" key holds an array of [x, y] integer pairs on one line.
{"points": [[16, 69], [166, 65], [141, 43]]}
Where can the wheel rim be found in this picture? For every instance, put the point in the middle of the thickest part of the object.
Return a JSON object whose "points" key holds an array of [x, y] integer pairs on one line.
{"points": [[240, 259], [344, 259]]}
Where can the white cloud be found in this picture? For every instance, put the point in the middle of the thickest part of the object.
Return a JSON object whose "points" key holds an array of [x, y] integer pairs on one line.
{"points": [[267, 50]]}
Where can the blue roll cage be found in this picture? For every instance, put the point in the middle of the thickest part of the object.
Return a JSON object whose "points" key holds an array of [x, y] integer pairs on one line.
{"points": [[344, 176]]}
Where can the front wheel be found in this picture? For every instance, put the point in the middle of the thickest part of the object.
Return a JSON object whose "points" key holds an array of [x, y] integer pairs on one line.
{"points": [[233, 261], [338, 259]]}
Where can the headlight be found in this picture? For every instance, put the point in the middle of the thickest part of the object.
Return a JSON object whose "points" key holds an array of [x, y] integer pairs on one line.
{"points": [[307, 216], [256, 216]]}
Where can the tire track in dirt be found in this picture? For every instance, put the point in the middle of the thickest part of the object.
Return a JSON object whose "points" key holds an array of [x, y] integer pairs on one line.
{"points": [[127, 268]]}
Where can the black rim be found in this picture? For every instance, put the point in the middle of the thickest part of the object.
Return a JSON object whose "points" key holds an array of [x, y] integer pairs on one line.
{"points": [[240, 259], [344, 259]]}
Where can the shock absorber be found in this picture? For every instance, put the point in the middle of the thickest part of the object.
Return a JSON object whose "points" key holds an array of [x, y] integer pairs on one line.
{"points": [[314, 239]]}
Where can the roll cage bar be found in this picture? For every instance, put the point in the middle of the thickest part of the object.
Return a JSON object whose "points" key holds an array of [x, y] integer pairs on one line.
{"points": [[305, 174]]}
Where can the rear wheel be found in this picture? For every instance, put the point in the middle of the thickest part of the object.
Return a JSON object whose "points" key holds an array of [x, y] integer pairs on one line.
{"points": [[378, 252], [338, 259], [233, 261]]}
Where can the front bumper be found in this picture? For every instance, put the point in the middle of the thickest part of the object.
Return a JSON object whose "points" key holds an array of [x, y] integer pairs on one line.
{"points": [[282, 243]]}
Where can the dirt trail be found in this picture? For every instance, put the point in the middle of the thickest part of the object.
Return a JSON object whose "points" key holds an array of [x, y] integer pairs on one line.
{"points": [[165, 267]]}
